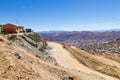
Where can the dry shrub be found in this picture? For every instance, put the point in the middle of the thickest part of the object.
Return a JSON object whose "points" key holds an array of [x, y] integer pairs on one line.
{"points": [[1, 40]]}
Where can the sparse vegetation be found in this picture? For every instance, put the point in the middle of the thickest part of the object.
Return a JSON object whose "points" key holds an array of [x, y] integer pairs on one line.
{"points": [[12, 37], [1, 40], [17, 55], [9, 43], [38, 56]]}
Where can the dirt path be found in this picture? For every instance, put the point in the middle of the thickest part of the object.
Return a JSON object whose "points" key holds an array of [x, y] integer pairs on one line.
{"points": [[66, 60]]}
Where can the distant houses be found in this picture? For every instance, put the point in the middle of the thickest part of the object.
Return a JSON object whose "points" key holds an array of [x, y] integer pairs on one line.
{"points": [[12, 28]]}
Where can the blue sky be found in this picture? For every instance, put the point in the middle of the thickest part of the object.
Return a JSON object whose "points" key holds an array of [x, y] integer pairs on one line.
{"points": [[42, 15]]}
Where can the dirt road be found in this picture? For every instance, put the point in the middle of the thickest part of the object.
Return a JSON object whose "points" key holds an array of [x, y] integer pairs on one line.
{"points": [[66, 60]]}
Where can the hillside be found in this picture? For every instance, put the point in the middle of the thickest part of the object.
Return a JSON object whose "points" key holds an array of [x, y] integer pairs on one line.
{"points": [[61, 62], [92, 42], [106, 47], [97, 63], [33, 43], [75, 59], [18, 64]]}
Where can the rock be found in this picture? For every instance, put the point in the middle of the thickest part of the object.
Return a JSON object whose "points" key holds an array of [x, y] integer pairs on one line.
{"points": [[67, 78], [17, 55], [40, 45]]}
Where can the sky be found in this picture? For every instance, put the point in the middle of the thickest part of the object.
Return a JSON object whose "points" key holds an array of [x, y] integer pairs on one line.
{"points": [[69, 15]]}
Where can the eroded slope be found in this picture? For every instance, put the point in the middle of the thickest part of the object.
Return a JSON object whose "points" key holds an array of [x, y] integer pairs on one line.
{"points": [[75, 59], [18, 64]]}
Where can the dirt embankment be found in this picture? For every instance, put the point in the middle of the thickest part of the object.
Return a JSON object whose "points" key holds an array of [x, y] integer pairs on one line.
{"points": [[71, 58], [97, 63], [18, 64], [115, 57]]}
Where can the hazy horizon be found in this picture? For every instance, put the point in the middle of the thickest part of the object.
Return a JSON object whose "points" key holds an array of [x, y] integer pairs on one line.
{"points": [[84, 30]]}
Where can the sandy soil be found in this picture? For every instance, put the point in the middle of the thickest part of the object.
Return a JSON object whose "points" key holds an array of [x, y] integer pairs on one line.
{"points": [[66, 60], [30, 67]]}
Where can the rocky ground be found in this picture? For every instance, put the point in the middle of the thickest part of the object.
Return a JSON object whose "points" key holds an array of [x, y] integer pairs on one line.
{"points": [[18, 64], [75, 59], [62, 62]]}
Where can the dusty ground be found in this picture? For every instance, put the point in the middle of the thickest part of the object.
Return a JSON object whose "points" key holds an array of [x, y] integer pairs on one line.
{"points": [[75, 59], [28, 67], [115, 57], [71, 62], [98, 63]]}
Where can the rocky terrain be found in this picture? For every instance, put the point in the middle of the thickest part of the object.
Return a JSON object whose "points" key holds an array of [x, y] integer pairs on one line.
{"points": [[33, 43], [110, 46], [30, 57], [20, 64]]}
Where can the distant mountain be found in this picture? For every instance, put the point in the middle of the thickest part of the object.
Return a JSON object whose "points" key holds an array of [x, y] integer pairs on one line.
{"points": [[59, 31], [53, 31], [81, 35], [115, 29], [90, 41], [106, 30]]}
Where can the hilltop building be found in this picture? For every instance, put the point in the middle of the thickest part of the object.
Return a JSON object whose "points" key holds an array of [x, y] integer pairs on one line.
{"points": [[11, 28]]}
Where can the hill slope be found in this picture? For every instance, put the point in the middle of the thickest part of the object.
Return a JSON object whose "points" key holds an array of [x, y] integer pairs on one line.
{"points": [[75, 59], [18, 63]]}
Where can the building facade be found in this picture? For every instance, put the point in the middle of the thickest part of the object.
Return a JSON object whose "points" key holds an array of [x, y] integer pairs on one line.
{"points": [[11, 28]]}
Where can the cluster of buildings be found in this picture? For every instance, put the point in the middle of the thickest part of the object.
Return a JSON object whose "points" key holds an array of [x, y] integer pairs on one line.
{"points": [[12, 28]]}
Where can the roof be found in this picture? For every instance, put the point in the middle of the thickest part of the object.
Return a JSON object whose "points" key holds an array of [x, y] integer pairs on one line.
{"points": [[15, 25]]}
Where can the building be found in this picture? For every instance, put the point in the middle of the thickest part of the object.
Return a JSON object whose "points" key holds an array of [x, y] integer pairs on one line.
{"points": [[28, 30], [11, 28]]}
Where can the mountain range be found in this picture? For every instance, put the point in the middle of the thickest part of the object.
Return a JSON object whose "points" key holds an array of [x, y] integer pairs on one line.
{"points": [[81, 35]]}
